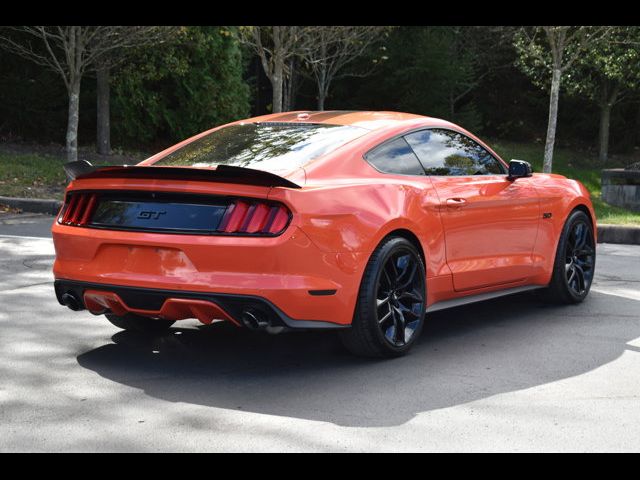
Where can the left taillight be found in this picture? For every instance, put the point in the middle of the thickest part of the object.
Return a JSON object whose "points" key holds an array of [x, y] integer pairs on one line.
{"points": [[78, 208]]}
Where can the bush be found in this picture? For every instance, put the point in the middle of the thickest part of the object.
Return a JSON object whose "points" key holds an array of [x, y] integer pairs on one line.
{"points": [[170, 93]]}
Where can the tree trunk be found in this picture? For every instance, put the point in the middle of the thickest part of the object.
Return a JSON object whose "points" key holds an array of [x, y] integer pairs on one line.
{"points": [[321, 75], [609, 99], [276, 82], [72, 121], [286, 95], [103, 133], [603, 135], [553, 117], [323, 88], [290, 87]]}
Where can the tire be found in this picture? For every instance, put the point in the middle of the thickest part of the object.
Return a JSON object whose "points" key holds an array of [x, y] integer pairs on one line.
{"points": [[574, 263], [389, 313], [137, 323]]}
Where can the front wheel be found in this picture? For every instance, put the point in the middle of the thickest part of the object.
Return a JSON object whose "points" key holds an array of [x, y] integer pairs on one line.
{"points": [[575, 261], [389, 314], [138, 323]]}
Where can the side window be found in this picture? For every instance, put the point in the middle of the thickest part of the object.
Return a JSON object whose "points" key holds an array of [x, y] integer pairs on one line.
{"points": [[444, 152], [395, 157]]}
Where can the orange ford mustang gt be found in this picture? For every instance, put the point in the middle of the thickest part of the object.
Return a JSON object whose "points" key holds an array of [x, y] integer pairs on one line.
{"points": [[355, 221]]}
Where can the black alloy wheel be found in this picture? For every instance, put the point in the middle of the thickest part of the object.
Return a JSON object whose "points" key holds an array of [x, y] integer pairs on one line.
{"points": [[580, 258], [575, 261], [390, 311], [400, 298]]}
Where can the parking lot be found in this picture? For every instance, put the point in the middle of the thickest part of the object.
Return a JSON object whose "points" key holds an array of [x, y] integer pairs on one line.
{"points": [[511, 374]]}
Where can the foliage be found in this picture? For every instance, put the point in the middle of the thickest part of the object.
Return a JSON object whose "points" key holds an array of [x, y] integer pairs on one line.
{"points": [[170, 92], [177, 91], [614, 59], [71, 51], [613, 56], [431, 71], [553, 50]]}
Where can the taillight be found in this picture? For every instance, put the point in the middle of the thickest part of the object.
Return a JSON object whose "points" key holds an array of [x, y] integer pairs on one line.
{"points": [[255, 218], [78, 209]]}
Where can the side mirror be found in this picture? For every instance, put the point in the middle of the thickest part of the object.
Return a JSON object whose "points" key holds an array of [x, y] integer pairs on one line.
{"points": [[519, 169]]}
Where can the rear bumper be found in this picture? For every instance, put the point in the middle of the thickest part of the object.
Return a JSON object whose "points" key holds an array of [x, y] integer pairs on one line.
{"points": [[288, 275], [154, 301]]}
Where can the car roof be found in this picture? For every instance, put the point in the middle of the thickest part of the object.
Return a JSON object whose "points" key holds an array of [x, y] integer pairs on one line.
{"points": [[369, 120]]}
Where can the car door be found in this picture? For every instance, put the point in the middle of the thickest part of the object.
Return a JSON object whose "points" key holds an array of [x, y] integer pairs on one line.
{"points": [[490, 223]]}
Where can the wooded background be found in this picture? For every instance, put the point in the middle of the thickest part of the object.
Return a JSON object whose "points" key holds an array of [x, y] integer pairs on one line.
{"points": [[494, 81]]}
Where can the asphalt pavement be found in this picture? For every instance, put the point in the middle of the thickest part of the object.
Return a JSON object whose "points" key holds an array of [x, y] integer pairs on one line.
{"points": [[511, 374]]}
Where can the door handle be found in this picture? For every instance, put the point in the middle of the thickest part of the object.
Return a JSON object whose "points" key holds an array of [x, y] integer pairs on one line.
{"points": [[455, 202]]}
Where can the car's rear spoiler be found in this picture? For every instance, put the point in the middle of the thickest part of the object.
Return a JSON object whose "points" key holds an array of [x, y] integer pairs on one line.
{"points": [[223, 173]]}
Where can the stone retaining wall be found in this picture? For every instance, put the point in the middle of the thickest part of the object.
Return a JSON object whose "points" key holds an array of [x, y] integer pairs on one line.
{"points": [[621, 188]]}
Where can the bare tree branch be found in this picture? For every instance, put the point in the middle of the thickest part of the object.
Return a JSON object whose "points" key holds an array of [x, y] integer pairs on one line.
{"points": [[275, 46], [329, 49]]}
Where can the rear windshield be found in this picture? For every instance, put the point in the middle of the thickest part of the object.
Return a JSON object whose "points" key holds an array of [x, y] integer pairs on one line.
{"points": [[273, 147]]}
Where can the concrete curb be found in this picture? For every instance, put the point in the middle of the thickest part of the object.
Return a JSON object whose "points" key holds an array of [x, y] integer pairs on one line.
{"points": [[36, 205], [628, 234], [607, 233]]}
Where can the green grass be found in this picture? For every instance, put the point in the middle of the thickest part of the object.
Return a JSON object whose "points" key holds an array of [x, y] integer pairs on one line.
{"points": [[27, 175], [573, 164], [41, 175]]}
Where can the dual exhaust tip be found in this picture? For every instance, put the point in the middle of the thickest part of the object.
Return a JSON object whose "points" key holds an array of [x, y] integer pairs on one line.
{"points": [[252, 319]]}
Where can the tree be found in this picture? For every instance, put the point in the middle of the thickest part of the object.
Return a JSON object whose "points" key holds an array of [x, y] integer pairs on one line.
{"points": [[433, 71], [290, 84], [331, 48], [606, 74], [275, 46], [553, 49], [167, 94], [130, 38], [70, 51]]}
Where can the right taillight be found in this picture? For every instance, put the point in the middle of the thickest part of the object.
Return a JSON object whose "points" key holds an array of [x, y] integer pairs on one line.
{"points": [[254, 218]]}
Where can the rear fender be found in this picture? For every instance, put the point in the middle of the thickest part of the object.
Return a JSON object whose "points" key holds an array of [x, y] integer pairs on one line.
{"points": [[354, 218]]}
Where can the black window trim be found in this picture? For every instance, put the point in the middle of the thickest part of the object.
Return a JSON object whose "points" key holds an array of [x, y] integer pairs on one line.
{"points": [[500, 161]]}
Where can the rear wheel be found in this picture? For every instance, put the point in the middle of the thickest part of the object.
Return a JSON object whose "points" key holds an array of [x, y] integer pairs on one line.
{"points": [[389, 315], [575, 261], [138, 323]]}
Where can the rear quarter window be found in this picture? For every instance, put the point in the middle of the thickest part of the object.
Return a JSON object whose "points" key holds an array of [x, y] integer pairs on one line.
{"points": [[396, 157]]}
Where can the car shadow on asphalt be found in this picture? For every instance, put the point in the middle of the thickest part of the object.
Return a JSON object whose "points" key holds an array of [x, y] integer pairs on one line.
{"points": [[464, 354]]}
